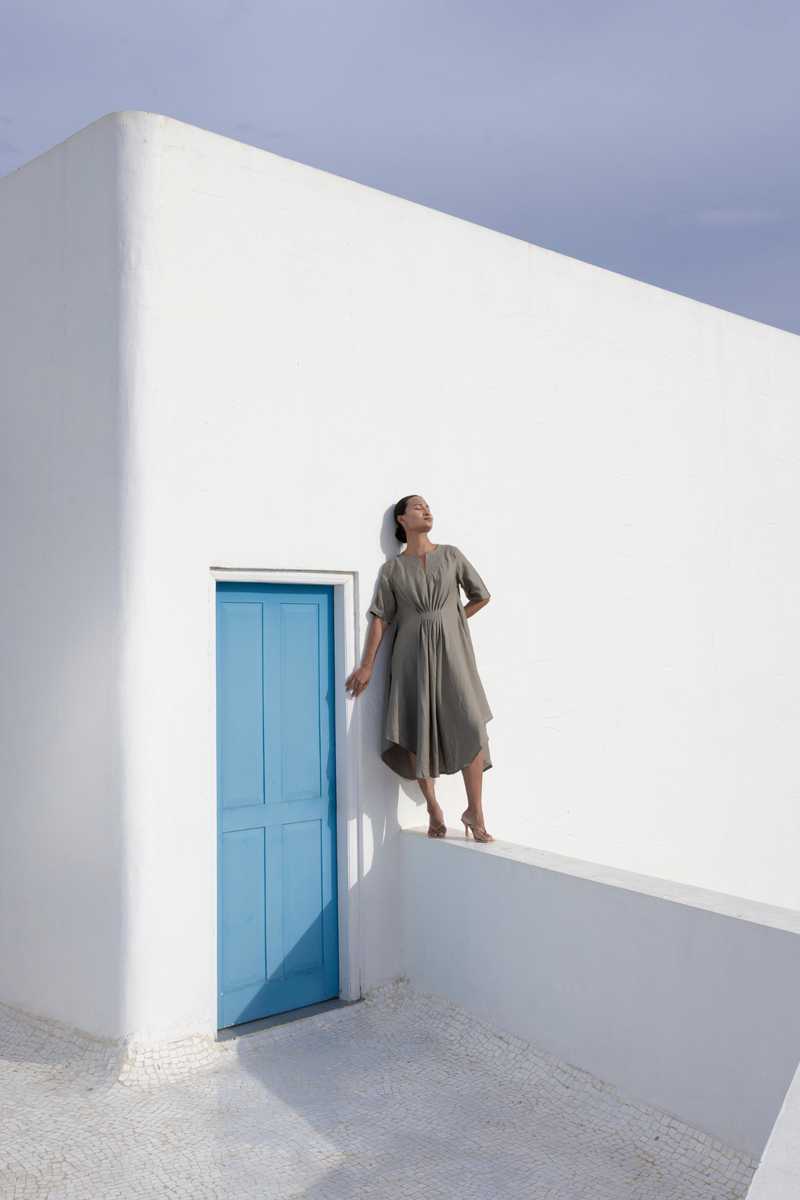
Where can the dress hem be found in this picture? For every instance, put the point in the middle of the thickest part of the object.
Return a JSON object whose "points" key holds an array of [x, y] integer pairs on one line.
{"points": [[391, 749]]}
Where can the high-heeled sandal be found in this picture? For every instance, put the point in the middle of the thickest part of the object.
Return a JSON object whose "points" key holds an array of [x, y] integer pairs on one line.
{"points": [[476, 829], [437, 831]]}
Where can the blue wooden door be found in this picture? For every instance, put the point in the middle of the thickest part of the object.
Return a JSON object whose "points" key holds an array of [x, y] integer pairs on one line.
{"points": [[276, 779]]}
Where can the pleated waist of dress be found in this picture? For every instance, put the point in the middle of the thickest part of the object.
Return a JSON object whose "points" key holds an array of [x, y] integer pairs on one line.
{"points": [[434, 615]]}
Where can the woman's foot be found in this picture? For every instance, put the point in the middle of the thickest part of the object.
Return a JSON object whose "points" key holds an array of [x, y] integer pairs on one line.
{"points": [[436, 827], [470, 821]]}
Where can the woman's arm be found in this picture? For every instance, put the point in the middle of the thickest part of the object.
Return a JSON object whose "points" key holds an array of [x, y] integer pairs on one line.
{"points": [[361, 677], [475, 606]]}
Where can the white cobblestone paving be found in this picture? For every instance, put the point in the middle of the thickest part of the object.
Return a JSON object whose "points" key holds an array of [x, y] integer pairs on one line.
{"points": [[401, 1096]]}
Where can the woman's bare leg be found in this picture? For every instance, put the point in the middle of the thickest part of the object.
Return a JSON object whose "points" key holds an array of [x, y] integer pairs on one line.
{"points": [[473, 782], [428, 789]]}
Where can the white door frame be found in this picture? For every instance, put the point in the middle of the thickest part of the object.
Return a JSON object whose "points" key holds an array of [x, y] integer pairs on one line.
{"points": [[348, 754]]}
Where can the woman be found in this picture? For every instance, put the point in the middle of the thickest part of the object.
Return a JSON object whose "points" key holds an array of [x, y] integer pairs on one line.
{"points": [[435, 710]]}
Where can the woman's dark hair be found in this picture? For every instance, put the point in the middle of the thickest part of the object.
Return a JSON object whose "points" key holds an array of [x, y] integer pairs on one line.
{"points": [[399, 511]]}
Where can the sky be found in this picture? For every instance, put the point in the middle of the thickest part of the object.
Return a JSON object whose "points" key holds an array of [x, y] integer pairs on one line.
{"points": [[657, 139]]}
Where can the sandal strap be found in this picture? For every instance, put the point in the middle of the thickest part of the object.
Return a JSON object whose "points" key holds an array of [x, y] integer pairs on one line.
{"points": [[477, 829]]}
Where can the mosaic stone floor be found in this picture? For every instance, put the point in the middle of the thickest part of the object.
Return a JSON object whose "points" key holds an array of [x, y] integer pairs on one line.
{"points": [[400, 1096]]}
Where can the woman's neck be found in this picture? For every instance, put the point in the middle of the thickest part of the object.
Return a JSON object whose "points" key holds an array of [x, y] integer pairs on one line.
{"points": [[418, 543]]}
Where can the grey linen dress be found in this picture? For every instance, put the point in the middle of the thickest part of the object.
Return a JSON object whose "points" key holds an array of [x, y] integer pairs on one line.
{"points": [[434, 703]]}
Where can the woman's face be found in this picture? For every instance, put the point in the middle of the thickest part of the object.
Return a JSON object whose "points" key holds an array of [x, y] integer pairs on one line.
{"points": [[418, 517]]}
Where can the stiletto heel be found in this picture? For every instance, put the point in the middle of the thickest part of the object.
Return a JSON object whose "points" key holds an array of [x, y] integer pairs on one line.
{"points": [[476, 829]]}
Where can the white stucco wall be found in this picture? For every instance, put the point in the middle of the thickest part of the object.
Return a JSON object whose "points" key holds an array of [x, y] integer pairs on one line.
{"points": [[61, 820], [778, 1176], [684, 999], [295, 352]]}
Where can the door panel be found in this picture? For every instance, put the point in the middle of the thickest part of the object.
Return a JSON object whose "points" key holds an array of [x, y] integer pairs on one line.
{"points": [[278, 945], [243, 907], [302, 914], [300, 706], [241, 703]]}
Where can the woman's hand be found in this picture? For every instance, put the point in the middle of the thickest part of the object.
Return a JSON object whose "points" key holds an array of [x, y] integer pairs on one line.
{"points": [[361, 676], [358, 681], [475, 606]]}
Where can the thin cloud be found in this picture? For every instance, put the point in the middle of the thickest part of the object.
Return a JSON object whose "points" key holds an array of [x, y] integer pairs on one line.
{"points": [[732, 218]]}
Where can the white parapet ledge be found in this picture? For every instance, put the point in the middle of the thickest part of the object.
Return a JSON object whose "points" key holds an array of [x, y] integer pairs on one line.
{"points": [[739, 907]]}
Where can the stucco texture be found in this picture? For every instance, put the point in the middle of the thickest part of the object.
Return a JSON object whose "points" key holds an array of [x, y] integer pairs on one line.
{"points": [[214, 357]]}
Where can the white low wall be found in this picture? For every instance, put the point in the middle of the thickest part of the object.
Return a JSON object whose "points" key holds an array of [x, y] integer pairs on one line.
{"points": [[778, 1177], [684, 999]]}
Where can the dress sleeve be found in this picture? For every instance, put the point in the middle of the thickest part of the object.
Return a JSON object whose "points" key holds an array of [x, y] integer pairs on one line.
{"points": [[385, 603], [470, 581]]}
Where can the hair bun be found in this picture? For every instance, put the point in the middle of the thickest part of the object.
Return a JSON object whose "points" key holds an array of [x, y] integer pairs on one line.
{"points": [[399, 510]]}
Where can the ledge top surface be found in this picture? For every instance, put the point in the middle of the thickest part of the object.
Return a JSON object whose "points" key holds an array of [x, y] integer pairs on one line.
{"points": [[743, 909]]}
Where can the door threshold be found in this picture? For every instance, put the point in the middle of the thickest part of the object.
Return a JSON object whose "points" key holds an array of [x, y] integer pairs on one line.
{"points": [[284, 1018]]}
